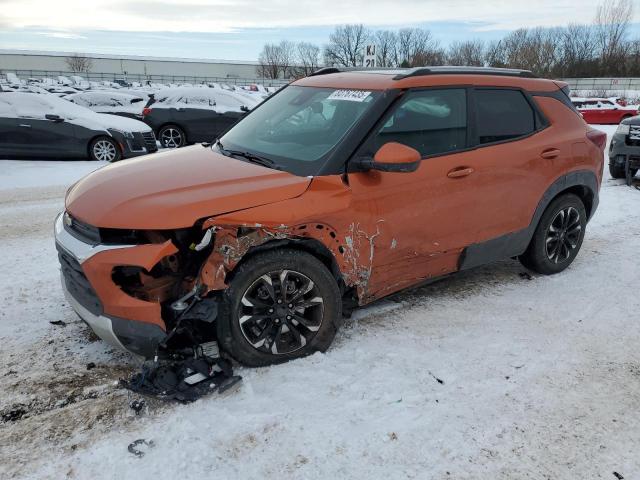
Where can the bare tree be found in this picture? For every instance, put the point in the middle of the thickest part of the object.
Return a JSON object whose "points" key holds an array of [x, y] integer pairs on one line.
{"points": [[386, 44], [275, 61], [79, 64], [466, 53], [612, 24], [495, 55], [417, 47], [577, 46], [307, 59], [346, 46]]}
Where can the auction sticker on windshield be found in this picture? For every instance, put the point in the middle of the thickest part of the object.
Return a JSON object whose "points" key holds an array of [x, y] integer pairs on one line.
{"points": [[349, 95]]}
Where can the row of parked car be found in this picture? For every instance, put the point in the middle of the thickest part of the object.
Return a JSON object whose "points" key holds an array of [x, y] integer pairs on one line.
{"points": [[604, 111], [109, 125]]}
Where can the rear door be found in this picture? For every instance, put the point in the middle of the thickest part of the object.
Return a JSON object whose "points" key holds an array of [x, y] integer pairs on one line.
{"points": [[510, 173], [196, 114], [609, 113]]}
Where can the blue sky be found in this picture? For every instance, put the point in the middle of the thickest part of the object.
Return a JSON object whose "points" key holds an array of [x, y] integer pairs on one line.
{"points": [[237, 29]]}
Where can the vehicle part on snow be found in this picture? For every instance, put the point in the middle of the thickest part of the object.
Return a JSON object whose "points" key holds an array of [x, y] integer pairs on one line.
{"points": [[137, 405], [134, 447], [185, 378]]}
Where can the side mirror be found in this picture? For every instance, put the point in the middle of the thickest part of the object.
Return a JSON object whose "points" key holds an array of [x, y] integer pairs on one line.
{"points": [[54, 118], [244, 108], [394, 157]]}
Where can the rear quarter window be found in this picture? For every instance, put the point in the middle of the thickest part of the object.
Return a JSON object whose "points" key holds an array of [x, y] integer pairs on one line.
{"points": [[503, 115]]}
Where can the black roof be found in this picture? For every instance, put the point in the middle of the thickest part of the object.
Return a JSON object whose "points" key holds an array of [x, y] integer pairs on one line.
{"points": [[400, 73]]}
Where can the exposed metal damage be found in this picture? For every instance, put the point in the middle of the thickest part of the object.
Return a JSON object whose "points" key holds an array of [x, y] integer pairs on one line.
{"points": [[354, 256]]}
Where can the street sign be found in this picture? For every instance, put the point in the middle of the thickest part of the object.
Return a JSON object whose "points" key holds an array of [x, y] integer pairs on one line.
{"points": [[370, 56]]}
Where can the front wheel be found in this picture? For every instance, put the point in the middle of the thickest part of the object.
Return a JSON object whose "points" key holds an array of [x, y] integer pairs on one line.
{"points": [[105, 149], [172, 136], [280, 305], [558, 236]]}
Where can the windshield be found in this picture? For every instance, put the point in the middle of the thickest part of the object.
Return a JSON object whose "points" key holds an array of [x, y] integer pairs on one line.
{"points": [[299, 127]]}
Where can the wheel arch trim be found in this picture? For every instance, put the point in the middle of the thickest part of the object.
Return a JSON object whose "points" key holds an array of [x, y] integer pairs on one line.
{"points": [[584, 183]]}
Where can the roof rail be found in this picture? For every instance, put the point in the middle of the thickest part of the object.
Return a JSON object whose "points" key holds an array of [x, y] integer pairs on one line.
{"points": [[325, 71], [444, 70], [439, 70]]}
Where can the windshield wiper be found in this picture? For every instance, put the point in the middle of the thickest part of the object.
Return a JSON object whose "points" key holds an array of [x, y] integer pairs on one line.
{"points": [[252, 157]]}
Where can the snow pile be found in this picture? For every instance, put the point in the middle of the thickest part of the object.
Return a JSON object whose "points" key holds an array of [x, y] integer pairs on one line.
{"points": [[488, 374]]}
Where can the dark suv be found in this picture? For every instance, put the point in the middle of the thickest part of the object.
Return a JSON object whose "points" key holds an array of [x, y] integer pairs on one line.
{"points": [[624, 151], [180, 116]]}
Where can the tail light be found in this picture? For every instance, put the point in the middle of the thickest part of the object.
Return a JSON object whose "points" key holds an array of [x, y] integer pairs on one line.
{"points": [[146, 111], [598, 137]]}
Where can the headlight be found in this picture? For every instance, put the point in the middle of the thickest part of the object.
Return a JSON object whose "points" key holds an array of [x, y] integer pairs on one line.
{"points": [[623, 129], [122, 132]]}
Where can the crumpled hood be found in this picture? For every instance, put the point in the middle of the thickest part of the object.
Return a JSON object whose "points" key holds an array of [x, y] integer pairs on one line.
{"points": [[175, 188]]}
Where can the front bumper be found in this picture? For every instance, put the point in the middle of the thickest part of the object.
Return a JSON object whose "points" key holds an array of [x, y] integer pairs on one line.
{"points": [[137, 337], [620, 150], [142, 143]]}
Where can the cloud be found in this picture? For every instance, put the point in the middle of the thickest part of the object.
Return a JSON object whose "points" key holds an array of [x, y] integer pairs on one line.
{"points": [[66, 35], [231, 15]]}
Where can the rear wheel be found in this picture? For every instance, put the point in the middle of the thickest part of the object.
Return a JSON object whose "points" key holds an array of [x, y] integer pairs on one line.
{"points": [[172, 136], [616, 169], [105, 149], [558, 236], [281, 305]]}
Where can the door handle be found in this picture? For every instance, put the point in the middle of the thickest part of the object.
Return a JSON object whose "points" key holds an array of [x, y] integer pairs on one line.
{"points": [[460, 172], [550, 153], [24, 125]]}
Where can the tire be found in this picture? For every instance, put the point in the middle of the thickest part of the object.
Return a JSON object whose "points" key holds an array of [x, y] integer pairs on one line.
{"points": [[257, 330], [617, 171], [104, 149], [568, 217], [172, 136]]}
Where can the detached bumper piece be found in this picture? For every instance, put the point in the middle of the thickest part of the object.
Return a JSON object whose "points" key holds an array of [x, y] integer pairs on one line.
{"points": [[185, 379]]}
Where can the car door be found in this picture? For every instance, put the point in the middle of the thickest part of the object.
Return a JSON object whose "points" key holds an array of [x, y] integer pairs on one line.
{"points": [[608, 112], [195, 113], [49, 133], [591, 113], [415, 225], [14, 141]]}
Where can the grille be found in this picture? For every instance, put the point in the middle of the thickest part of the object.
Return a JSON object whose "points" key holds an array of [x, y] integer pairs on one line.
{"points": [[634, 135], [77, 283], [82, 231], [150, 141]]}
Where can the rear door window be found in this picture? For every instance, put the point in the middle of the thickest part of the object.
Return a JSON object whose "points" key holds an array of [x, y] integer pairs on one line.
{"points": [[29, 105], [503, 115], [431, 121]]}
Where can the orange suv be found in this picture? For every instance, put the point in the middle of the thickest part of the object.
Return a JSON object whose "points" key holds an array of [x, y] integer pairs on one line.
{"points": [[342, 188]]}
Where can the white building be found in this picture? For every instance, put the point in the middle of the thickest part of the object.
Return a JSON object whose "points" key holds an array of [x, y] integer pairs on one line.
{"points": [[38, 64]]}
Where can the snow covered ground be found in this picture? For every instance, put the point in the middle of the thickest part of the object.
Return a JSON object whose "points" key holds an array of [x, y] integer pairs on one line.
{"points": [[484, 375]]}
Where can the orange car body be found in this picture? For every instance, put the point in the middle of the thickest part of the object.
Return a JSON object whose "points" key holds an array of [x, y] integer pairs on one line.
{"points": [[381, 231]]}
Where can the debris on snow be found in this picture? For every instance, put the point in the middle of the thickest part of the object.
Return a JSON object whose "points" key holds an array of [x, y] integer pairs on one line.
{"points": [[135, 447]]}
